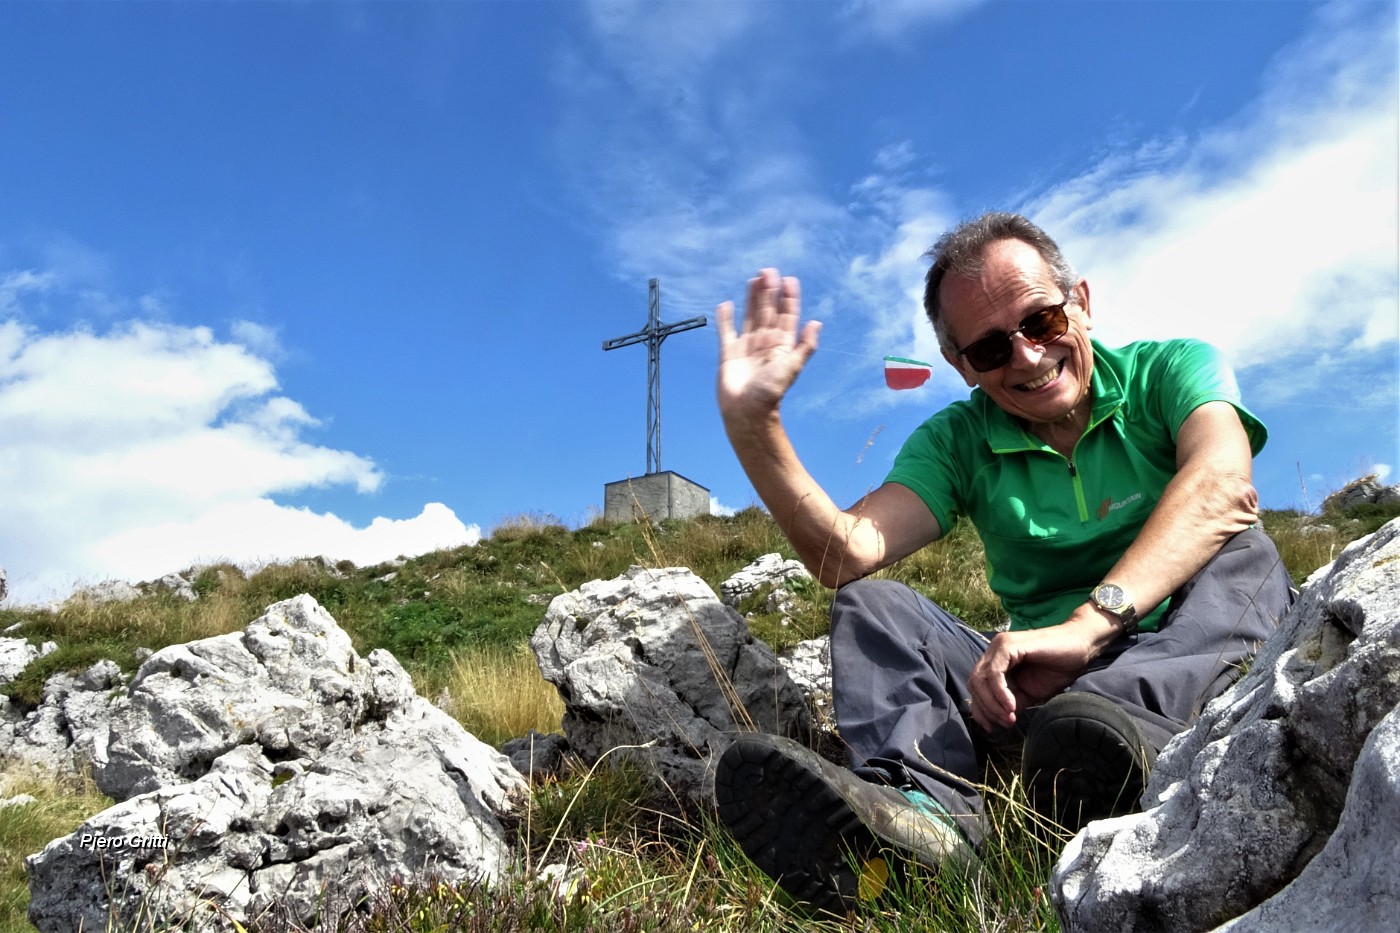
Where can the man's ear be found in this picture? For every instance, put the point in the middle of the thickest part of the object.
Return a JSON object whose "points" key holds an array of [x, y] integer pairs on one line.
{"points": [[1082, 299], [968, 374]]}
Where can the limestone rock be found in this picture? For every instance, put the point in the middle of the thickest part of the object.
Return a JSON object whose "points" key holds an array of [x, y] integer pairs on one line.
{"points": [[1284, 793], [108, 591], [70, 723], [654, 658], [178, 586], [272, 765], [1368, 490], [15, 655], [1351, 884], [537, 754], [808, 663], [769, 570]]}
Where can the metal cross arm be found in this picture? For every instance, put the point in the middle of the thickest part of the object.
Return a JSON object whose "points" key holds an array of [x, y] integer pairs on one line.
{"points": [[658, 335], [652, 335]]}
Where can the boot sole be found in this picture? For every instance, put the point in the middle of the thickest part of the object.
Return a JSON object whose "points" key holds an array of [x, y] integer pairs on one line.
{"points": [[798, 818], [1085, 760]]}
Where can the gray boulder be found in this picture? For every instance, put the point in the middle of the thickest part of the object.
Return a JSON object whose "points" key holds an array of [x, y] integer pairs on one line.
{"points": [[808, 663], [537, 754], [1368, 490], [178, 586], [70, 723], [1278, 809], [15, 655], [770, 570], [653, 658], [272, 766], [108, 591]]}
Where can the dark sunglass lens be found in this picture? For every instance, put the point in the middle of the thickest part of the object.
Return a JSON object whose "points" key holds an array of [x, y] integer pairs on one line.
{"points": [[989, 352], [1045, 325]]}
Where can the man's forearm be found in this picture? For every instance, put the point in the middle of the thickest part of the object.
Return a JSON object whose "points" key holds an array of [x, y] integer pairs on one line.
{"points": [[1199, 511], [835, 545]]}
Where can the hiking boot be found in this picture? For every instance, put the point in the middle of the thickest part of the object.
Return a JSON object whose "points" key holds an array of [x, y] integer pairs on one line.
{"points": [[1085, 759], [826, 836]]}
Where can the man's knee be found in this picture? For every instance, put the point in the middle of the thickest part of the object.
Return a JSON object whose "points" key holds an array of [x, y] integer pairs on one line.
{"points": [[869, 602], [1251, 562]]}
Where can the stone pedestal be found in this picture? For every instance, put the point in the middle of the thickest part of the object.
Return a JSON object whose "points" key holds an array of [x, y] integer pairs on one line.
{"points": [[657, 496]]}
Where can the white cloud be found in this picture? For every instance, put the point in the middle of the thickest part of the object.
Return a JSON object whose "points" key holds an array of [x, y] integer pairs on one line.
{"points": [[15, 284], [149, 447], [259, 338], [259, 531], [1275, 237], [719, 508]]}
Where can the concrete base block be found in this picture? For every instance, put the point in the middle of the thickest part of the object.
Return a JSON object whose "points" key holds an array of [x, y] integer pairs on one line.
{"points": [[656, 496]]}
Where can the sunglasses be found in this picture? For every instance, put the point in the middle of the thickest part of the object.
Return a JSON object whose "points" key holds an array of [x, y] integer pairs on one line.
{"points": [[1039, 327]]}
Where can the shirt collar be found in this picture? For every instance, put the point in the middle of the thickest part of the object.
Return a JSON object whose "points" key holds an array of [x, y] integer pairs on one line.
{"points": [[1005, 434]]}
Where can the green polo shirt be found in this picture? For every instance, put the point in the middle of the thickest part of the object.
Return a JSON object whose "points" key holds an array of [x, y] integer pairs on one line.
{"points": [[1053, 526]]}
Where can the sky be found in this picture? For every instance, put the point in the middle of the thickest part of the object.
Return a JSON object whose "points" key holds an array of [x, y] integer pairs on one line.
{"points": [[284, 279]]}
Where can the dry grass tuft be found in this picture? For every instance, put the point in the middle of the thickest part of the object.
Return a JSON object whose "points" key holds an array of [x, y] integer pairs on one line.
{"points": [[499, 694]]}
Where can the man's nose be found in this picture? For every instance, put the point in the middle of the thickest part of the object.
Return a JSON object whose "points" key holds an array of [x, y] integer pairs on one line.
{"points": [[1025, 353]]}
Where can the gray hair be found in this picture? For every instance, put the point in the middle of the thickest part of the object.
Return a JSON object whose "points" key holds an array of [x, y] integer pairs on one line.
{"points": [[960, 251]]}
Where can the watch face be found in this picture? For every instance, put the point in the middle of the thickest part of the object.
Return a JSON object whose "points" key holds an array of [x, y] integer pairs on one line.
{"points": [[1109, 595]]}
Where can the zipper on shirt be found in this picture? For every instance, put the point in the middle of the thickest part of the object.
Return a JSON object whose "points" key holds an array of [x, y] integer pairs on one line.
{"points": [[1078, 490]]}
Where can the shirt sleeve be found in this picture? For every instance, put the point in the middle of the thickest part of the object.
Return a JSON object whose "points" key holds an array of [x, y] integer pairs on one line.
{"points": [[927, 465], [1192, 373]]}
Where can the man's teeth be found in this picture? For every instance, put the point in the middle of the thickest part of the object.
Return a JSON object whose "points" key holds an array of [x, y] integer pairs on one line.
{"points": [[1043, 380]]}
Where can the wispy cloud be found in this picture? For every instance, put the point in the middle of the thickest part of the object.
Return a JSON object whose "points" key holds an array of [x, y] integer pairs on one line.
{"points": [[1272, 233], [145, 447], [893, 20], [1274, 236]]}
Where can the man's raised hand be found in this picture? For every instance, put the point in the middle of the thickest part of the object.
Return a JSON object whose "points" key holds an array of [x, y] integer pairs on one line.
{"points": [[759, 365]]}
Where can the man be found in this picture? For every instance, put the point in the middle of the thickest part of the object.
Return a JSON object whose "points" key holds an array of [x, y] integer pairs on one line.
{"points": [[1112, 492]]}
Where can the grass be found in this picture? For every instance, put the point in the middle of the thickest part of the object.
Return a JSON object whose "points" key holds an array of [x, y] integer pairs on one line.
{"points": [[60, 804], [634, 857], [498, 694]]}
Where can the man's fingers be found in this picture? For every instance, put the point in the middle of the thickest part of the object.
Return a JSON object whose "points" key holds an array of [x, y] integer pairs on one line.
{"points": [[993, 703], [789, 299], [724, 322], [763, 298]]}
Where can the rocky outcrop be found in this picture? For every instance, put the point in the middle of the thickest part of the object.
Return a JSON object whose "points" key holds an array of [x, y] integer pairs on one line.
{"points": [[265, 767], [653, 658], [108, 591], [1278, 809], [176, 585], [808, 663], [1368, 490], [769, 571], [16, 653], [62, 733]]}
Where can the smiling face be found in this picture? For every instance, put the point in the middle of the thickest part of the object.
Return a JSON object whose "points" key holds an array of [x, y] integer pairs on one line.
{"points": [[1044, 386]]}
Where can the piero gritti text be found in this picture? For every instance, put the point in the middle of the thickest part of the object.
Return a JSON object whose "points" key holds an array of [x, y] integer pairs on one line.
{"points": [[98, 842]]}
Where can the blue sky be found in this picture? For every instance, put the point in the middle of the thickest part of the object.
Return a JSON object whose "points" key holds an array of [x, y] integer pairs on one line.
{"points": [[289, 278]]}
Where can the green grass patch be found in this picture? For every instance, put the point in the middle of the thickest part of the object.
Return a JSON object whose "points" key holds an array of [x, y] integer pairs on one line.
{"points": [[60, 806]]}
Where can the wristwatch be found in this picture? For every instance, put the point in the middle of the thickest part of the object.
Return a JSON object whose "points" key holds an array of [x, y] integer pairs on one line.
{"points": [[1111, 599]]}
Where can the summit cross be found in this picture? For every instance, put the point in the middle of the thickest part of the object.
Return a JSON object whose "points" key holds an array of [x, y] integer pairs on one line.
{"points": [[652, 335]]}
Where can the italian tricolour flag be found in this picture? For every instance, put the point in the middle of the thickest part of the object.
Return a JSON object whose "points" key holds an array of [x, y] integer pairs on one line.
{"points": [[905, 374]]}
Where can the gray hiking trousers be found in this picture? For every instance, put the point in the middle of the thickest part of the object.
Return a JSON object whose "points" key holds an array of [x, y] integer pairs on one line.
{"points": [[900, 665]]}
